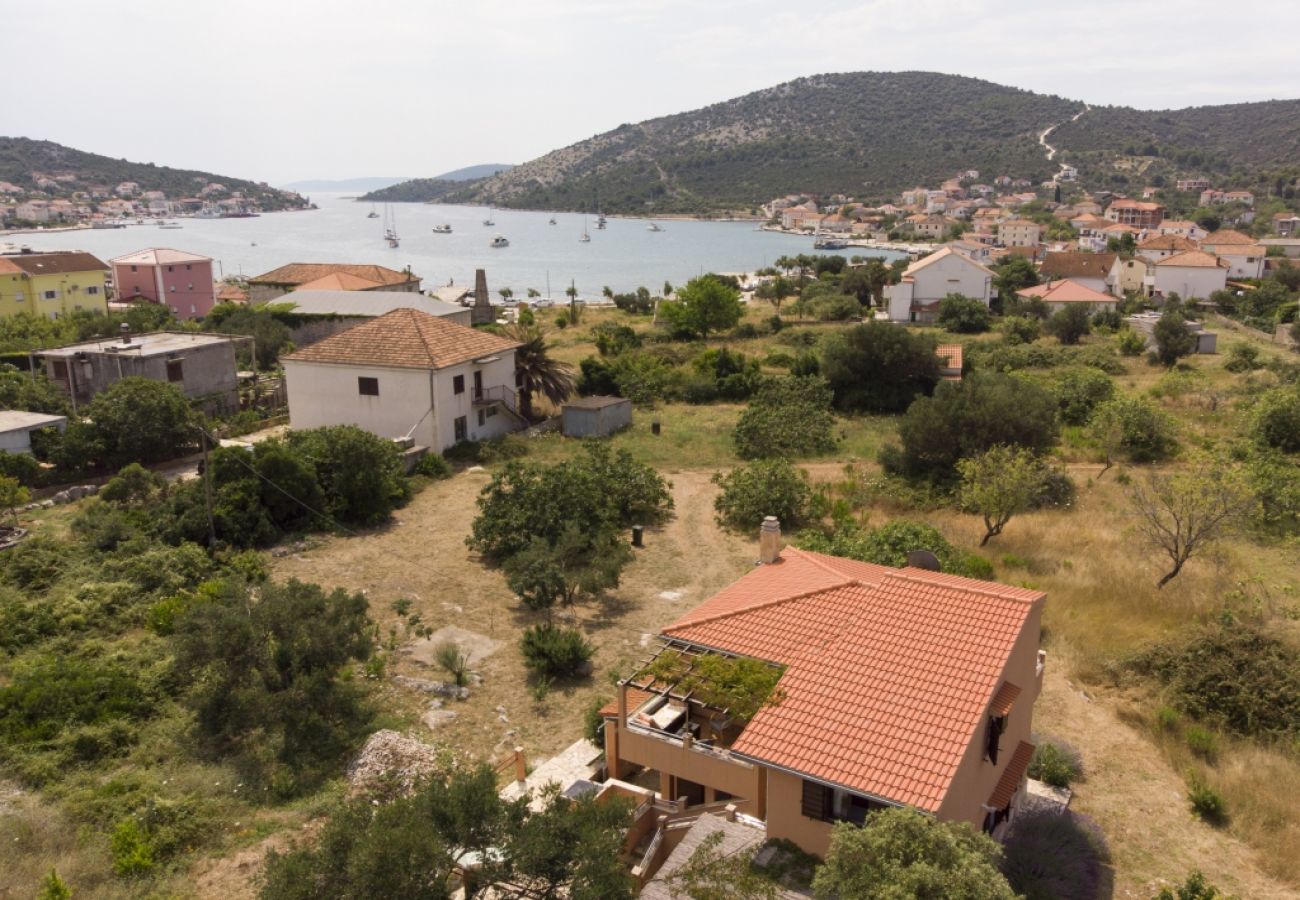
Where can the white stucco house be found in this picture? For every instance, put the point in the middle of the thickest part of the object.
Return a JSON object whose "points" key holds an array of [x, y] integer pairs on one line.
{"points": [[1193, 274], [928, 280], [407, 374], [1245, 257]]}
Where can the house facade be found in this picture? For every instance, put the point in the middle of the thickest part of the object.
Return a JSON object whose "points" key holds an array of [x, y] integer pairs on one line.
{"points": [[407, 374], [1138, 213], [1193, 274], [1244, 257], [177, 279], [51, 285], [1059, 295], [329, 276], [201, 365], [1093, 270], [928, 280], [1019, 233], [894, 687]]}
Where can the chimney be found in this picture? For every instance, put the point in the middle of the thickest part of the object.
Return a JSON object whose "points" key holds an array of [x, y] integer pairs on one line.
{"points": [[769, 541], [126, 333]]}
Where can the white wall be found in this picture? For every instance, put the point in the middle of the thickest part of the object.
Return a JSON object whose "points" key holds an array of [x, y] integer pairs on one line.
{"points": [[1242, 266], [1189, 281], [328, 394], [954, 274]]}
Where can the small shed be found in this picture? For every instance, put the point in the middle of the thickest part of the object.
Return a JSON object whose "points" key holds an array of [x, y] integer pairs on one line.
{"points": [[16, 428], [596, 416]]}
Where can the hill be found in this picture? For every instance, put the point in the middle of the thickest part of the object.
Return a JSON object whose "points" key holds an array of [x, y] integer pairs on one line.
{"points": [[417, 190], [473, 173], [30, 163], [1236, 146], [372, 183], [866, 134]]}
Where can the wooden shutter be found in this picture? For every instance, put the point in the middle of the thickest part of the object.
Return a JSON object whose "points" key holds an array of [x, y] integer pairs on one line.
{"points": [[817, 800]]}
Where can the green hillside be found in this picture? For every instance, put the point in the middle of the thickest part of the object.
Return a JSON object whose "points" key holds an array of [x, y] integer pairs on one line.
{"points": [[21, 157], [417, 190]]}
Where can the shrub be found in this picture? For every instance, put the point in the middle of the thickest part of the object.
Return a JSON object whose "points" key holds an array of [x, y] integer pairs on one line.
{"points": [[46, 695], [768, 487], [1202, 742], [432, 465], [1131, 343], [1132, 428], [877, 367], [706, 304], [836, 308], [1167, 719], [1194, 888], [141, 420], [132, 485], [787, 417], [1243, 358], [965, 418], [21, 467], [132, 853], [1079, 391], [1057, 855], [360, 474], [1275, 420], [1070, 324], [964, 315], [890, 544], [1054, 763], [555, 652], [1206, 801], [1172, 338], [612, 339], [1020, 329], [454, 660]]}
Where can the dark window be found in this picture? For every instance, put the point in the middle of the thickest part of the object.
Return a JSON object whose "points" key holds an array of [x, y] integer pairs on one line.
{"points": [[818, 801], [458, 384], [175, 371], [60, 370], [478, 385], [997, 725], [368, 387], [826, 804], [482, 418], [462, 429]]}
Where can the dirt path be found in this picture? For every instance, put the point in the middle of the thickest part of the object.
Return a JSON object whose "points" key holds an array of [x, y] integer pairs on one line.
{"points": [[1140, 803]]}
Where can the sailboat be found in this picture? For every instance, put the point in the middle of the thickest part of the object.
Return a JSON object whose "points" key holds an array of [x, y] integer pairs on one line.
{"points": [[653, 226], [390, 227], [586, 238], [600, 216], [488, 221], [552, 222], [372, 214]]}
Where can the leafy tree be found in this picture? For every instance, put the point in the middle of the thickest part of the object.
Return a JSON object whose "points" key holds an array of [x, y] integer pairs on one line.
{"points": [[271, 336], [787, 417], [12, 496], [1070, 324], [1014, 274], [582, 561], [706, 304], [766, 487], [1020, 329], [965, 418], [266, 678], [536, 372], [572, 849], [712, 874], [878, 367], [964, 315], [141, 420], [1180, 514], [1172, 338], [903, 853], [23, 391], [1275, 420], [1079, 392], [600, 486], [1000, 483], [834, 307], [360, 474], [1133, 428]]}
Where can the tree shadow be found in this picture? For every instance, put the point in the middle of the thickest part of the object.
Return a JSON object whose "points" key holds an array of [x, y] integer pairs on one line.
{"points": [[1055, 854]]}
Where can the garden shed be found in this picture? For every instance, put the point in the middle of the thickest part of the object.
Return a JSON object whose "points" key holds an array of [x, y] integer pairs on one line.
{"points": [[596, 416]]}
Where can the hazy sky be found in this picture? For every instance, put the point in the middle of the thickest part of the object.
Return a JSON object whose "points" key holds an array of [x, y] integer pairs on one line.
{"points": [[280, 90]]}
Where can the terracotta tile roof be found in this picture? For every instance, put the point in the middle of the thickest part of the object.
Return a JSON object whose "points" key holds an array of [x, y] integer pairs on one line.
{"points": [[938, 255], [8, 268], [57, 263], [231, 293], [404, 339], [1066, 291], [1168, 242], [1077, 265], [301, 273], [1004, 699], [635, 697], [160, 256], [1197, 258], [340, 281], [1007, 785], [1225, 237], [890, 672], [950, 356]]}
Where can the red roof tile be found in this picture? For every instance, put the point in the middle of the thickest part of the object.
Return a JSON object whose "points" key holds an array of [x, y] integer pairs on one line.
{"points": [[889, 672], [635, 697], [1004, 699], [404, 339]]}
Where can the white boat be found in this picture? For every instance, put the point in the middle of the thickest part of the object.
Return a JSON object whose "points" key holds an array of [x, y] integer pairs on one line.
{"points": [[653, 226], [170, 226], [442, 229], [498, 242], [390, 228], [372, 214], [552, 222], [585, 238], [488, 221], [600, 223]]}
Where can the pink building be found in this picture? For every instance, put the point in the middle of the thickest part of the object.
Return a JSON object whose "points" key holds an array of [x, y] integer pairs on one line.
{"points": [[183, 281]]}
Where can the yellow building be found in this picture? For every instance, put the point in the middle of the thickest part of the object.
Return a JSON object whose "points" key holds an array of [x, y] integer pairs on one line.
{"points": [[51, 285]]}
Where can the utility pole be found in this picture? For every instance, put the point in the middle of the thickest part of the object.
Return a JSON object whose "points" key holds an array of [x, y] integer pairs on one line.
{"points": [[207, 492]]}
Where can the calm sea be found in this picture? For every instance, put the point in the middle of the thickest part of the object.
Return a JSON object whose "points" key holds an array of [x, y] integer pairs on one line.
{"points": [[623, 256]]}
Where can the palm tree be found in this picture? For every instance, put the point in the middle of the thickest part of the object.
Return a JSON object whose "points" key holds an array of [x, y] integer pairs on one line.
{"points": [[536, 372]]}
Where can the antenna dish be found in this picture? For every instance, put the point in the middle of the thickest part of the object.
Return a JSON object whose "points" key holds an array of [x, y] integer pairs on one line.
{"points": [[923, 559]]}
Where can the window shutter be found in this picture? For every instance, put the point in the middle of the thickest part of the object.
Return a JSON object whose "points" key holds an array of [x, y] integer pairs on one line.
{"points": [[816, 801], [996, 724]]}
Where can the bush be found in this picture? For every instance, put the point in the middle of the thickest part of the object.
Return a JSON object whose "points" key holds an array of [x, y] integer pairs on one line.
{"points": [[878, 367], [47, 695], [141, 420], [21, 467], [1275, 420], [1206, 801], [1243, 358], [1172, 338], [1132, 428], [836, 308], [556, 652], [1202, 742], [768, 487], [133, 485], [1020, 329], [890, 544], [1079, 392], [1057, 764], [964, 315], [1056, 855], [360, 474], [432, 465], [612, 339], [966, 418], [1070, 324], [787, 417], [454, 661], [1194, 888], [1131, 343]]}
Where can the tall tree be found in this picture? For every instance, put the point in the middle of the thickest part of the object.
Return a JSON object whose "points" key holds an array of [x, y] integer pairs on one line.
{"points": [[1172, 337], [706, 304], [537, 372]]}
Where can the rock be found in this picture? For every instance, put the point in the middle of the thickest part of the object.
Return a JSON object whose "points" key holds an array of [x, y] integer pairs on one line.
{"points": [[586, 669], [500, 709], [46, 504], [502, 719], [92, 490], [435, 717], [441, 688], [476, 470], [61, 498]]}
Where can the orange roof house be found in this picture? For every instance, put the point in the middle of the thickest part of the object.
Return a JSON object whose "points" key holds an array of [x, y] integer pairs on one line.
{"points": [[1067, 292], [329, 276], [897, 687]]}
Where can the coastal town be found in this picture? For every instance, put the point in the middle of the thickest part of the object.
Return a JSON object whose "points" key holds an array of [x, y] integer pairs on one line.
{"points": [[868, 486]]}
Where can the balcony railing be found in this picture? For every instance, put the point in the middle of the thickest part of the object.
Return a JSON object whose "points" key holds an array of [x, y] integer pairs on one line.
{"points": [[496, 394]]}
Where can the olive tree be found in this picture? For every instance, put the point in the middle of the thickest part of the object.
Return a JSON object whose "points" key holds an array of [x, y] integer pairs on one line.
{"points": [[1000, 483]]}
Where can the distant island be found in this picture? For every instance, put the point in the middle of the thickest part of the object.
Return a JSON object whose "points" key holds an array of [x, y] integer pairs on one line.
{"points": [[43, 183], [372, 183], [437, 188], [870, 135]]}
